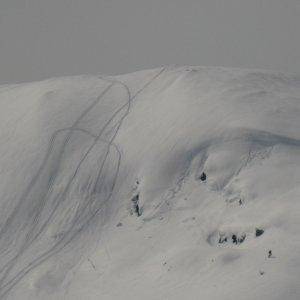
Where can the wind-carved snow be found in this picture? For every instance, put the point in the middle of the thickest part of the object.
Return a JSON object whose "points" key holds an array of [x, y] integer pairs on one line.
{"points": [[76, 151]]}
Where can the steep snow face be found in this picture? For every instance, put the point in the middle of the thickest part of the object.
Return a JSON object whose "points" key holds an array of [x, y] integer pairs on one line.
{"points": [[76, 151]]}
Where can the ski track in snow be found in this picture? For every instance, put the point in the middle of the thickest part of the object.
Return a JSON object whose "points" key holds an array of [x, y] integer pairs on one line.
{"points": [[82, 217], [239, 127]]}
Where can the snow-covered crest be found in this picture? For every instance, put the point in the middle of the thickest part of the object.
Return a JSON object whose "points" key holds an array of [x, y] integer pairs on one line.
{"points": [[75, 151]]}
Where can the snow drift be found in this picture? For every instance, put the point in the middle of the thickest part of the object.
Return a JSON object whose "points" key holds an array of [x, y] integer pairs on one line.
{"points": [[76, 151]]}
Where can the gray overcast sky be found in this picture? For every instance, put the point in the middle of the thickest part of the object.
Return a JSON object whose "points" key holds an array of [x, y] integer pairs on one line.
{"points": [[45, 38]]}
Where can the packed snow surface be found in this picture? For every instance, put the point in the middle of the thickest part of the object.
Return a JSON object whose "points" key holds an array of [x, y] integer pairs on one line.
{"points": [[103, 196]]}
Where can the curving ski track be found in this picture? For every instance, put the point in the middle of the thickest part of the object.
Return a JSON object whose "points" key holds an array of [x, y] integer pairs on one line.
{"points": [[85, 213]]}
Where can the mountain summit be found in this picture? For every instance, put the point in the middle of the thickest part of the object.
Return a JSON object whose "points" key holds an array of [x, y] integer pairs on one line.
{"points": [[172, 183]]}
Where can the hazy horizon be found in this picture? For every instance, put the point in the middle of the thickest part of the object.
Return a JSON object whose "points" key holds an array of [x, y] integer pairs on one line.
{"points": [[41, 39]]}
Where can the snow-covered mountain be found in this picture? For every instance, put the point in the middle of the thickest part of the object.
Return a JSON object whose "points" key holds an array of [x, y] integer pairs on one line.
{"points": [[76, 151]]}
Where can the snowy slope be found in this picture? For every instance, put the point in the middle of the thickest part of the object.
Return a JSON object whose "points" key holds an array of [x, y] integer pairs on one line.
{"points": [[75, 151]]}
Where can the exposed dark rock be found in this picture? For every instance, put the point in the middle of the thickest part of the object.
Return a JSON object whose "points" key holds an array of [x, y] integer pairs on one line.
{"points": [[241, 239], [234, 239], [259, 232], [135, 202], [203, 177], [222, 239]]}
